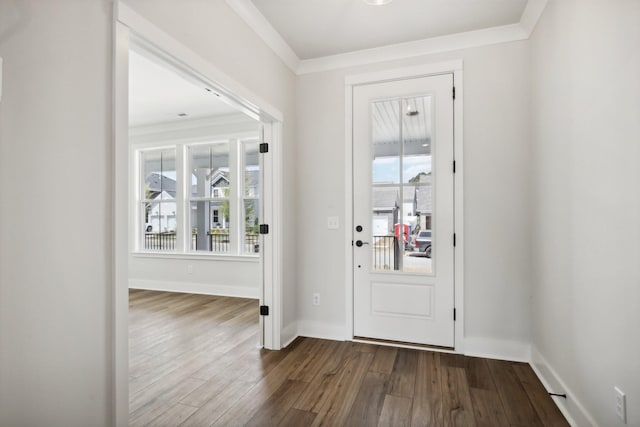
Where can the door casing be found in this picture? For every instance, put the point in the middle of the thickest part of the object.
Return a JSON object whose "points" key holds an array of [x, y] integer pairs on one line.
{"points": [[455, 67]]}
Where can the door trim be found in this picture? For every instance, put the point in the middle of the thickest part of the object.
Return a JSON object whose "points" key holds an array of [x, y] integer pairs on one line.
{"points": [[455, 67]]}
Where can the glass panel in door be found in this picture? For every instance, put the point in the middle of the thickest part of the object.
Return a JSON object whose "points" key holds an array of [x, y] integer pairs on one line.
{"points": [[401, 185]]}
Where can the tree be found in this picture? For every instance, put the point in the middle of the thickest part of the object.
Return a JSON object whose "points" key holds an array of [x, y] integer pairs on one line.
{"points": [[249, 209], [416, 178], [224, 209]]}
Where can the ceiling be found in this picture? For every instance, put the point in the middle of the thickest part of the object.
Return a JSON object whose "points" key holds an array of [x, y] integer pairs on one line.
{"points": [[318, 28], [316, 35], [158, 94], [320, 35]]}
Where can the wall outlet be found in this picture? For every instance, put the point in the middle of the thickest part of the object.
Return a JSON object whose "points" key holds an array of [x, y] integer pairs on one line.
{"points": [[621, 404], [316, 299], [190, 269]]}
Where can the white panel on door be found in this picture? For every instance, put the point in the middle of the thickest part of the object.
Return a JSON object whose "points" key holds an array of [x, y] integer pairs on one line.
{"points": [[391, 299]]}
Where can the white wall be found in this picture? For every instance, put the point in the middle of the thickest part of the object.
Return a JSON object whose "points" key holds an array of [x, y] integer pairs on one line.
{"points": [[236, 278], [55, 246], [496, 188], [215, 32], [586, 149], [55, 281]]}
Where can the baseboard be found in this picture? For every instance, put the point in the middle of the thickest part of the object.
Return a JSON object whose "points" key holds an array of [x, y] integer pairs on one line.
{"points": [[322, 330], [571, 408], [288, 334], [195, 288], [491, 348]]}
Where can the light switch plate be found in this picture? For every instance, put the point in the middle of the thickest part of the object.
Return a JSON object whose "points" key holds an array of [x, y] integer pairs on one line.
{"points": [[333, 222]]}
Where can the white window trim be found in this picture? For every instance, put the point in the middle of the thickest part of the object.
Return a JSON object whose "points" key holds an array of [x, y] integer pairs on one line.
{"points": [[183, 199]]}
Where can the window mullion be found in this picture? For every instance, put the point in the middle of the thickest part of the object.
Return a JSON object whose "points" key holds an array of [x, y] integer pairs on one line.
{"points": [[139, 210], [181, 196], [234, 197]]}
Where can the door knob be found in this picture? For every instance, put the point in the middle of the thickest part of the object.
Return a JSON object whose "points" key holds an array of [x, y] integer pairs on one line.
{"points": [[359, 243]]}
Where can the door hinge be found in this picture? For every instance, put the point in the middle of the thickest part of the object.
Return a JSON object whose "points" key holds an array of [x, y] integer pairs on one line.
{"points": [[264, 228], [454, 239], [454, 314], [454, 166], [264, 310], [454, 92], [264, 147]]}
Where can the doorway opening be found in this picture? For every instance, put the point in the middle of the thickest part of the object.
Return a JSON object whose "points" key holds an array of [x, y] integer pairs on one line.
{"points": [[195, 267], [197, 228]]}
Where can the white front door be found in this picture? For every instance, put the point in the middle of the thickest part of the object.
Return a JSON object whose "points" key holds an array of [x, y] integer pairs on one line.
{"points": [[403, 210]]}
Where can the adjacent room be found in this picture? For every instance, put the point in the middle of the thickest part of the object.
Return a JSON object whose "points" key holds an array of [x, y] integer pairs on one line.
{"points": [[195, 274]]}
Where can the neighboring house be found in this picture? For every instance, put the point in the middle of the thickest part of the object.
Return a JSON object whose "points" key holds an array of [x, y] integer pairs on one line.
{"points": [[417, 206], [162, 215], [424, 206], [220, 187], [424, 201], [219, 184], [155, 183], [386, 210]]}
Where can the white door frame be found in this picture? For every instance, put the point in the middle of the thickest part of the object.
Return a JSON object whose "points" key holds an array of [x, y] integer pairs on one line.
{"points": [[454, 67], [128, 26]]}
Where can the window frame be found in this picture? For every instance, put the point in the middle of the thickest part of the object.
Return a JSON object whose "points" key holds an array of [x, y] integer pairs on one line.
{"points": [[141, 200], [242, 150], [190, 198], [183, 199]]}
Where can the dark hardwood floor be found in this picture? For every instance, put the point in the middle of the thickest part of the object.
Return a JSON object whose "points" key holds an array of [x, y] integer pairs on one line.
{"points": [[195, 361]]}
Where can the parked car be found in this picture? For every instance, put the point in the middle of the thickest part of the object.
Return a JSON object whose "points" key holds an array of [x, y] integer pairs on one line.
{"points": [[422, 242]]}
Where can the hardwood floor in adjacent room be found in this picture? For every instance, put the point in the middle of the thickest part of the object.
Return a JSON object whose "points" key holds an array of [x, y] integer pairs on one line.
{"points": [[195, 361]]}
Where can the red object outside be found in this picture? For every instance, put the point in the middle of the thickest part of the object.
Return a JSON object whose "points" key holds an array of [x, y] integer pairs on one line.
{"points": [[405, 232]]}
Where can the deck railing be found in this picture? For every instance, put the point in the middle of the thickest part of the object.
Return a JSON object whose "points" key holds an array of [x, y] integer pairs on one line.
{"points": [[217, 242], [160, 241], [386, 253]]}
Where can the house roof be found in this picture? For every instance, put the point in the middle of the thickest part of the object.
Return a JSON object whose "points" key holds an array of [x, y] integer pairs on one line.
{"points": [[424, 199], [385, 198], [165, 197], [157, 183], [409, 194], [219, 178]]}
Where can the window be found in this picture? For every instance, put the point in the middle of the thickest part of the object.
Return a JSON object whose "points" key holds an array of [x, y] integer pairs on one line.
{"points": [[251, 196], [202, 198], [210, 190], [157, 199]]}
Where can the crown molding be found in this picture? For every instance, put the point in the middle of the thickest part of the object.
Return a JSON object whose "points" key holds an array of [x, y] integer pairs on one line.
{"points": [[259, 24], [488, 36], [531, 15], [412, 49]]}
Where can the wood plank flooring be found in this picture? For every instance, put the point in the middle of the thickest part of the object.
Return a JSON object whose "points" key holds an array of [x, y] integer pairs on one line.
{"points": [[195, 361]]}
